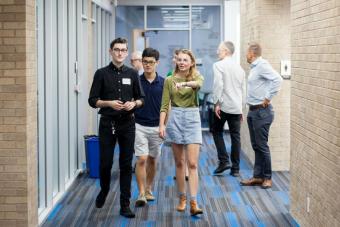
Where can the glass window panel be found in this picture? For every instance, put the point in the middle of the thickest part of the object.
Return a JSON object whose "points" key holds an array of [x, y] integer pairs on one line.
{"points": [[206, 36], [94, 37], [107, 37], [129, 18], [72, 96], [99, 37], [84, 7], [62, 90], [41, 107], [167, 46], [94, 57], [54, 97], [104, 45], [168, 17]]}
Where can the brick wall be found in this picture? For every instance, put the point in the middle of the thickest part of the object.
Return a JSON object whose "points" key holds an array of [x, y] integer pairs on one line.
{"points": [[315, 126], [18, 130], [268, 22]]}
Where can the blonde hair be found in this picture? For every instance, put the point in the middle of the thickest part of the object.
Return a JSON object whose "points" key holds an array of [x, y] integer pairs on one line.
{"points": [[192, 71]]}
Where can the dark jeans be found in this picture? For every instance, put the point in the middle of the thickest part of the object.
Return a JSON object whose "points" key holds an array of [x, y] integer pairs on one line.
{"points": [[259, 122], [234, 123], [125, 133]]}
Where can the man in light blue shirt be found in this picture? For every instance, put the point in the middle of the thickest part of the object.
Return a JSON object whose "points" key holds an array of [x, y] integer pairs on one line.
{"points": [[263, 84]]}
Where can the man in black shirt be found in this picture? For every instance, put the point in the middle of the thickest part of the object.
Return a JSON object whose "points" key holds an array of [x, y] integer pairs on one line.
{"points": [[116, 90]]}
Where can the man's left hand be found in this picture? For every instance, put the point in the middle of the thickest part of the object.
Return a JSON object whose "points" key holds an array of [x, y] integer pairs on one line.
{"points": [[266, 103], [218, 111], [129, 105]]}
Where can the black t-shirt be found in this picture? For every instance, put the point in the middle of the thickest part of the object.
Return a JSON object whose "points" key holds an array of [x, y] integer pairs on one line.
{"points": [[112, 83]]}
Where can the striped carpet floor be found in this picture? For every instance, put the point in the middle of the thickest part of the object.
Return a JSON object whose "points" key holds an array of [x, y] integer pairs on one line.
{"points": [[224, 201]]}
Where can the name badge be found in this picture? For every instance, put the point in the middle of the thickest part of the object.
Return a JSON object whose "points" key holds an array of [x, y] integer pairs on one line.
{"points": [[126, 81]]}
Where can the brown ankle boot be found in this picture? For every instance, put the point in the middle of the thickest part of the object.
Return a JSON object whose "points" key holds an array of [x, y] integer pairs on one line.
{"points": [[194, 209], [182, 203]]}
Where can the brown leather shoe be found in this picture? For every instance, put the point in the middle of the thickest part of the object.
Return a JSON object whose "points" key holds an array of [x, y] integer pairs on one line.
{"points": [[194, 209], [267, 183], [182, 203], [252, 182]]}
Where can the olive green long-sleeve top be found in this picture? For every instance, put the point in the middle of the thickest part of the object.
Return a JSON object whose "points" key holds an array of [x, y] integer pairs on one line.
{"points": [[182, 97]]}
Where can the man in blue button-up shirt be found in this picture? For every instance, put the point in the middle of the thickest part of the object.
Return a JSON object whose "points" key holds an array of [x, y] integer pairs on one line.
{"points": [[263, 84]]}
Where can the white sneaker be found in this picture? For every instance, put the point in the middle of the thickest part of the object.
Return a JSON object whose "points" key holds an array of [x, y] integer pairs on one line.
{"points": [[141, 201], [149, 196]]}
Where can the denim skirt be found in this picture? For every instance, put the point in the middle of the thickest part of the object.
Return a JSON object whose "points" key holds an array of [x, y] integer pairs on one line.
{"points": [[184, 126]]}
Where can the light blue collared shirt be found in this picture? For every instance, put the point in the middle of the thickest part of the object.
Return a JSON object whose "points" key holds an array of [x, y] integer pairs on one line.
{"points": [[263, 82]]}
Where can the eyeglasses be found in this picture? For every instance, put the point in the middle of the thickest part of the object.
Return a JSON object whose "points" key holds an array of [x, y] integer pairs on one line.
{"points": [[117, 50], [148, 62]]}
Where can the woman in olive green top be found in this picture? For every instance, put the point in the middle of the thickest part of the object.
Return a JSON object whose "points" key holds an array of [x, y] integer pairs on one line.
{"points": [[183, 129]]}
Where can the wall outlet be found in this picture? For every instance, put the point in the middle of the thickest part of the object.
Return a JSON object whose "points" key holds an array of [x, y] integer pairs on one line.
{"points": [[308, 204], [286, 69]]}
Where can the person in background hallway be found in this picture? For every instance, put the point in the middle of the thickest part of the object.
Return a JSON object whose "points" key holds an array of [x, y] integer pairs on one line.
{"points": [[229, 98], [263, 84], [174, 60], [136, 61], [183, 129], [148, 142], [174, 57], [116, 90]]}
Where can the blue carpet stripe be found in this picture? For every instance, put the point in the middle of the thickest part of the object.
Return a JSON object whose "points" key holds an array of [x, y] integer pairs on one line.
{"points": [[54, 212], [235, 198]]}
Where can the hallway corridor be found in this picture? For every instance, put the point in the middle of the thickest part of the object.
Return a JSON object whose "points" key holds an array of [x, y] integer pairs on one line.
{"points": [[224, 201]]}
